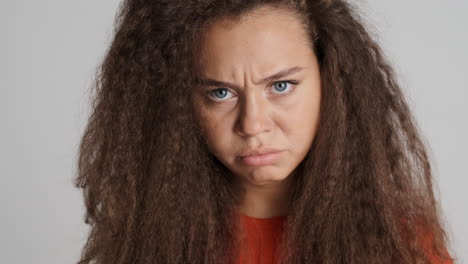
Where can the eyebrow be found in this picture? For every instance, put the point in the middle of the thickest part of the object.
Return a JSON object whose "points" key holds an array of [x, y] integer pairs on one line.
{"points": [[275, 76]]}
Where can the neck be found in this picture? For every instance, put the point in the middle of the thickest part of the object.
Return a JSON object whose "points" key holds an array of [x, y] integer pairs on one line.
{"points": [[268, 200]]}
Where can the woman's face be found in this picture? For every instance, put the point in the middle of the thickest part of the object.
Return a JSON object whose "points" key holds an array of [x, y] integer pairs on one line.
{"points": [[259, 92]]}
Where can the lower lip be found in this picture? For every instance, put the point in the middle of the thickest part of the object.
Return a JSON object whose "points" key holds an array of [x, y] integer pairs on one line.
{"points": [[261, 160]]}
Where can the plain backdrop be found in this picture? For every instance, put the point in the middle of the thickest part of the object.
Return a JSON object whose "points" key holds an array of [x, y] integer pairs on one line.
{"points": [[50, 50]]}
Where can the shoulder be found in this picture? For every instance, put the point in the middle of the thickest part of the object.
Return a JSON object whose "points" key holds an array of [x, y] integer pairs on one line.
{"points": [[426, 240]]}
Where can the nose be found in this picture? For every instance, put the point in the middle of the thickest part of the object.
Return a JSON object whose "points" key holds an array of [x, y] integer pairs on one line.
{"points": [[253, 116]]}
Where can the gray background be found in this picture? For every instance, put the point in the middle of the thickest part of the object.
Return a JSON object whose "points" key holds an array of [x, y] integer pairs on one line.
{"points": [[51, 48]]}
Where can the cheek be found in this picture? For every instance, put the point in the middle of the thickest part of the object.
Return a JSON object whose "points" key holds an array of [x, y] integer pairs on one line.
{"points": [[216, 132], [215, 127], [301, 119]]}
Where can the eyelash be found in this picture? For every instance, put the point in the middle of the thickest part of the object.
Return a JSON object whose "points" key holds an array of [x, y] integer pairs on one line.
{"points": [[292, 82]]}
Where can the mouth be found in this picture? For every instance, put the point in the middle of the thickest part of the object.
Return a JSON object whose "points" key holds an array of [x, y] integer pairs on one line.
{"points": [[261, 157], [259, 151]]}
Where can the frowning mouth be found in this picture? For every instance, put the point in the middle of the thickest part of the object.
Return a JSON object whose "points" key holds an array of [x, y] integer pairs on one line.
{"points": [[259, 151], [260, 157]]}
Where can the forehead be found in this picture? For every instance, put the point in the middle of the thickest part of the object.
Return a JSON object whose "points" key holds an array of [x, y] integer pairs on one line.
{"points": [[260, 39]]}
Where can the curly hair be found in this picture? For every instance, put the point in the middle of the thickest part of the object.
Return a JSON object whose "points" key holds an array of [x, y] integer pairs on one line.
{"points": [[155, 194]]}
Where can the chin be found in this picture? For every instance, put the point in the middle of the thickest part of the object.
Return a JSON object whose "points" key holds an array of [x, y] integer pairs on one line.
{"points": [[264, 177]]}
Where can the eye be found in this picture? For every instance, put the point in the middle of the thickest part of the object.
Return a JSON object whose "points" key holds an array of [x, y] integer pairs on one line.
{"points": [[219, 94], [283, 87]]}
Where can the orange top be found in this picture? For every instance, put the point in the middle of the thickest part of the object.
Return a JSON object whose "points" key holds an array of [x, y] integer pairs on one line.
{"points": [[263, 237], [264, 234]]}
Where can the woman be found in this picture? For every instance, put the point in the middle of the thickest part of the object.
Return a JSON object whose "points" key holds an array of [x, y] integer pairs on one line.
{"points": [[241, 131]]}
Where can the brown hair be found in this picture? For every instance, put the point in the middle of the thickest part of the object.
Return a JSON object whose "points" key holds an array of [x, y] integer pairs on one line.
{"points": [[155, 194]]}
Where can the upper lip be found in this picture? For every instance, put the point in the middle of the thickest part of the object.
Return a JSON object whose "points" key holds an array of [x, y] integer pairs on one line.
{"points": [[259, 151]]}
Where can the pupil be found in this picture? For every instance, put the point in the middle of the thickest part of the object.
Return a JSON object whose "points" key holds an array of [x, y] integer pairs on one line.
{"points": [[221, 93], [281, 86]]}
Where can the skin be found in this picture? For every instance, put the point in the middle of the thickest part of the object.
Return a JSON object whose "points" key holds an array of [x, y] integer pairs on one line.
{"points": [[244, 113]]}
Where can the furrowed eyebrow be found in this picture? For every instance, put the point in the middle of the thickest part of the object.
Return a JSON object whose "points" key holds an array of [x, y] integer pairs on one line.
{"points": [[275, 76]]}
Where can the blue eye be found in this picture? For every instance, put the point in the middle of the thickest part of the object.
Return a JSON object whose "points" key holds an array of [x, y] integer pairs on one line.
{"points": [[219, 94], [222, 94], [281, 86]]}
